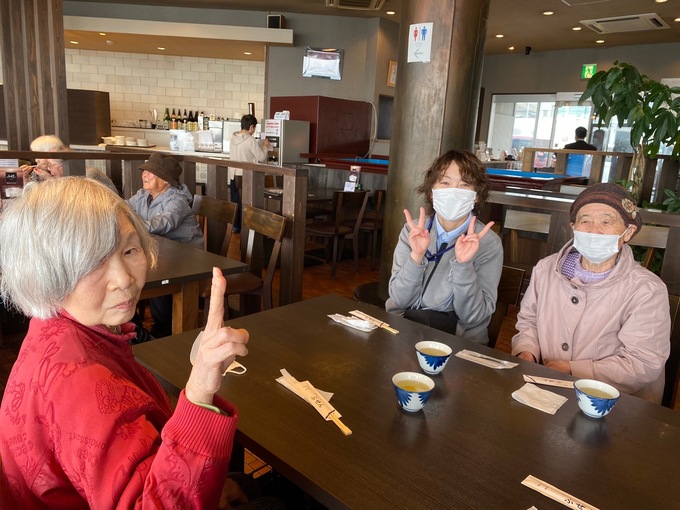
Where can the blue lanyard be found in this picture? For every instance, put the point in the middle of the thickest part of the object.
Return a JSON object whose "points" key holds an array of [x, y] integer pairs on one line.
{"points": [[436, 257]]}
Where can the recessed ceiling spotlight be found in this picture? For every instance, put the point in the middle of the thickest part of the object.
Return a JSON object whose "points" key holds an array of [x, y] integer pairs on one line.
{"points": [[161, 48], [576, 29], [247, 53], [391, 13], [499, 36], [74, 42], [600, 41], [676, 19], [102, 33], [511, 48], [661, 1], [548, 13]]}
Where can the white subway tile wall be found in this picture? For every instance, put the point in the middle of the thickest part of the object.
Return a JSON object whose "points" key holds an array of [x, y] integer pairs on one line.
{"points": [[138, 83]]}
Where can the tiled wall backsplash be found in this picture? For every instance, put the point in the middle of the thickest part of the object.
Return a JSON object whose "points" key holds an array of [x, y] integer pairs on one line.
{"points": [[138, 83]]}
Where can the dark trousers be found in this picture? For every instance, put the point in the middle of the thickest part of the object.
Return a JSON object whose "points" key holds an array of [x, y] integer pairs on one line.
{"points": [[161, 313]]}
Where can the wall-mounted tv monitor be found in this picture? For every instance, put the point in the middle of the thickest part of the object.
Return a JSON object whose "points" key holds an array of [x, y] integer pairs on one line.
{"points": [[322, 63]]}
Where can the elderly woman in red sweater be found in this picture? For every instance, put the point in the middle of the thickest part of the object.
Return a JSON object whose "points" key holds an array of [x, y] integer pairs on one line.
{"points": [[82, 425]]}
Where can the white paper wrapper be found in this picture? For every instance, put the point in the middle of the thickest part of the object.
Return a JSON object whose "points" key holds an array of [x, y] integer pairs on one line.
{"points": [[540, 399], [353, 322]]}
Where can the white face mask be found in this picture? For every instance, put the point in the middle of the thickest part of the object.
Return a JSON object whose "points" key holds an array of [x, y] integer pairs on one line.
{"points": [[597, 247], [453, 203]]}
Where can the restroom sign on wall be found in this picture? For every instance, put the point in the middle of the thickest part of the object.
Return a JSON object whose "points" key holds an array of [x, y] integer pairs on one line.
{"points": [[419, 42]]}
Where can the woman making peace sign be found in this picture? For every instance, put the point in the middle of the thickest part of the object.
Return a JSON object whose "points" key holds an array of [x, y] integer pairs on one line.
{"points": [[447, 265]]}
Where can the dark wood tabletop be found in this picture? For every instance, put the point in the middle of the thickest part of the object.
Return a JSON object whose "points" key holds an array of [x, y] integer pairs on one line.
{"points": [[469, 448], [182, 262], [179, 270]]}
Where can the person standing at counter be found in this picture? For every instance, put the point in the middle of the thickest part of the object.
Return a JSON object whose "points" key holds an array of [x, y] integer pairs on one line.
{"points": [[447, 266], [164, 206], [591, 310], [49, 168], [245, 148]]}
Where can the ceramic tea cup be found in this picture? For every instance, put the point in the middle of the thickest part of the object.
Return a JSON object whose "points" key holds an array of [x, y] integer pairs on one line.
{"points": [[412, 389], [432, 356], [595, 398]]}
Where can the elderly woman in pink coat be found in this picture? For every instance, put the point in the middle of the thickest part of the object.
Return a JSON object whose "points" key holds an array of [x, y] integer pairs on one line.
{"points": [[591, 310]]}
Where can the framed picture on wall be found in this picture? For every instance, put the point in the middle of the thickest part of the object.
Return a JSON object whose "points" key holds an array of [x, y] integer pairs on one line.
{"points": [[392, 74]]}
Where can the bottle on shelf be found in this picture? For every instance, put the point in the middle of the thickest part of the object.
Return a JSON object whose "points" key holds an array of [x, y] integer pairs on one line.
{"points": [[199, 121], [173, 120], [196, 126], [190, 121], [206, 121], [166, 119], [184, 119]]}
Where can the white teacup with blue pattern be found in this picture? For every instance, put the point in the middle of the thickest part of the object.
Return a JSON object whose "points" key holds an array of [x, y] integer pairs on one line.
{"points": [[412, 389], [595, 398], [432, 356]]}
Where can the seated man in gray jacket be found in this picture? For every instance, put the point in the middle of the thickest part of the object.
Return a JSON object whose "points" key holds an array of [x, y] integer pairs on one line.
{"points": [[165, 206]]}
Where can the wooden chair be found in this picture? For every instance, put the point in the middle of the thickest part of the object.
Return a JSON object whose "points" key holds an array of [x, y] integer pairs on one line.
{"points": [[264, 224], [653, 238], [670, 391], [373, 222], [509, 288], [347, 205], [217, 218]]}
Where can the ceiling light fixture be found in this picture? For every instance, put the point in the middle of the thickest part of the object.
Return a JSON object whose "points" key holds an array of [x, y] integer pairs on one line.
{"points": [[600, 41], [576, 29], [548, 13], [74, 42], [511, 48], [676, 19], [661, 1], [391, 13], [102, 33], [499, 36], [247, 53], [160, 48]]}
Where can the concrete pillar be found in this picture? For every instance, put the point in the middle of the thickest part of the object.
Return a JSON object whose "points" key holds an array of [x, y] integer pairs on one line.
{"points": [[34, 70], [435, 104]]}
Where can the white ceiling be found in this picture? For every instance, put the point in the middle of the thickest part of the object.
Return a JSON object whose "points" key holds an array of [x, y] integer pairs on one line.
{"points": [[520, 21]]}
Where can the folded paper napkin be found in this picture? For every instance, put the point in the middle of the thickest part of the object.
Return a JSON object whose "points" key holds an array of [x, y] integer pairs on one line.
{"points": [[353, 322], [540, 399], [485, 360]]}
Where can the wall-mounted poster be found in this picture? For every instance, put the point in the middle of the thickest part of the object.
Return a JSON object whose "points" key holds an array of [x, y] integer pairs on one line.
{"points": [[392, 74]]}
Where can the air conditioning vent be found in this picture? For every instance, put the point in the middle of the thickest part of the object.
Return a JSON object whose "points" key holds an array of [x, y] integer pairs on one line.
{"points": [[618, 24], [357, 5]]}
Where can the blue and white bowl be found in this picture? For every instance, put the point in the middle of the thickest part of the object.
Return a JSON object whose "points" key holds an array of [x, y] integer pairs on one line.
{"points": [[432, 356], [412, 389], [595, 398]]}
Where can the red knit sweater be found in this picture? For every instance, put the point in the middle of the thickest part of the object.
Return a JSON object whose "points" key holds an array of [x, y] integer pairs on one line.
{"points": [[83, 425]]}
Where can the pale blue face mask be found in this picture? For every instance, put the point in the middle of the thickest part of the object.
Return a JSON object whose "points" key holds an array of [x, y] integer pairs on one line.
{"points": [[597, 247]]}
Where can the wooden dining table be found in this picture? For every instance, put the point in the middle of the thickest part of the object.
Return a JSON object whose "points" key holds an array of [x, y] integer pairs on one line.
{"points": [[179, 270], [469, 448]]}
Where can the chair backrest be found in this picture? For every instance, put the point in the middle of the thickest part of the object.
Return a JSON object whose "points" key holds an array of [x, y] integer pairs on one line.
{"points": [[217, 218], [651, 237], [673, 363], [509, 288], [349, 205], [267, 224], [378, 207]]}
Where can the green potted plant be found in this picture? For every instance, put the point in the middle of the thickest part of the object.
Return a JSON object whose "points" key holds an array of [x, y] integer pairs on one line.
{"points": [[650, 108]]}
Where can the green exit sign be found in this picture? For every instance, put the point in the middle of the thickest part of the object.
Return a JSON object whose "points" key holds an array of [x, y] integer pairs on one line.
{"points": [[588, 70]]}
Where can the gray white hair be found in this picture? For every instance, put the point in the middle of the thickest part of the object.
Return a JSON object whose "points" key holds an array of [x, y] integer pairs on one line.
{"points": [[56, 233], [48, 143]]}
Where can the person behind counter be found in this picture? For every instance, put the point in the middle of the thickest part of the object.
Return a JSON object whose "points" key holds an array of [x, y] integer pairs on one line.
{"points": [[244, 147], [82, 424], [447, 266], [49, 168], [591, 310]]}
